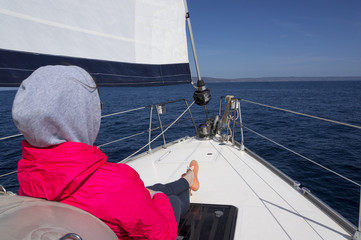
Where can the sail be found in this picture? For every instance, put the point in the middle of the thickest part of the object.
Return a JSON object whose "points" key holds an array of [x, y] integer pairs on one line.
{"points": [[123, 43]]}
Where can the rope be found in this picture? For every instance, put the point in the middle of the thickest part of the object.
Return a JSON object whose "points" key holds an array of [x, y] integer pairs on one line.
{"points": [[303, 114], [8, 173], [304, 157], [125, 159]]}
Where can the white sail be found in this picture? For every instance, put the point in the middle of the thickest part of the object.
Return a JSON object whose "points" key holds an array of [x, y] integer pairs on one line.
{"points": [[148, 32]]}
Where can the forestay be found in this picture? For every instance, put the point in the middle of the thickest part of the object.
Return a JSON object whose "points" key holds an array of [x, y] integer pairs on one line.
{"points": [[128, 42]]}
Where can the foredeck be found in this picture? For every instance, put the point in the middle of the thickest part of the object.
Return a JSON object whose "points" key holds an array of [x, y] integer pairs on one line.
{"points": [[268, 207]]}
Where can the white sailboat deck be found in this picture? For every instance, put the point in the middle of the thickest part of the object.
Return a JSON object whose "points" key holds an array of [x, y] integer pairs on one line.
{"points": [[268, 207]]}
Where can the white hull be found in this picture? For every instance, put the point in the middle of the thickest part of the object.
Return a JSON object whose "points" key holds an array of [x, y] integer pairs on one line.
{"points": [[268, 207]]}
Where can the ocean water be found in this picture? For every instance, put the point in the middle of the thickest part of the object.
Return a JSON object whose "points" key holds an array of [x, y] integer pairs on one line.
{"points": [[334, 146]]}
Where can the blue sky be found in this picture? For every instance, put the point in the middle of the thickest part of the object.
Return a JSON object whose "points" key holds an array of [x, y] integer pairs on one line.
{"points": [[267, 38]]}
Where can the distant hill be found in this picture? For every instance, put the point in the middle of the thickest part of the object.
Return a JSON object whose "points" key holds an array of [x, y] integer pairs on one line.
{"points": [[16, 82], [280, 79]]}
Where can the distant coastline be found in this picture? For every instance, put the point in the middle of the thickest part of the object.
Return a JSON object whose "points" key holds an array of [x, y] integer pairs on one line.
{"points": [[9, 85], [280, 79]]}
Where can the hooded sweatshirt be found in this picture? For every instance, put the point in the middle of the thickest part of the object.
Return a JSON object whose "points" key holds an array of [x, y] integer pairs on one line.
{"points": [[57, 109]]}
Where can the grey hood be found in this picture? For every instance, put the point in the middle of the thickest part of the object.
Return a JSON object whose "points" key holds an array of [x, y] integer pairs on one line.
{"points": [[57, 104]]}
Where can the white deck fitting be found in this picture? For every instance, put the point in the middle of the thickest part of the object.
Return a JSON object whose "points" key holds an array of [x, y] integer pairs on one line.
{"points": [[268, 207]]}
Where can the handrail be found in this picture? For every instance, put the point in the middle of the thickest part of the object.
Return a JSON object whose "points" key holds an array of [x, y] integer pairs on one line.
{"points": [[140, 149], [234, 108], [72, 236]]}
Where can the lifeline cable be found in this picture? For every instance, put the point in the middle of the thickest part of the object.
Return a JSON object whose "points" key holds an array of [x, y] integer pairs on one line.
{"points": [[13, 136], [121, 139], [303, 114], [104, 116], [126, 111], [8, 173], [304, 157]]}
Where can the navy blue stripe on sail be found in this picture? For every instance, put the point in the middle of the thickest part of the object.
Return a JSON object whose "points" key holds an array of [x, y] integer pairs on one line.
{"points": [[15, 66]]}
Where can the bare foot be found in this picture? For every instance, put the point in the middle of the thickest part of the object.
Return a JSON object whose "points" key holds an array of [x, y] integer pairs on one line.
{"points": [[194, 167]]}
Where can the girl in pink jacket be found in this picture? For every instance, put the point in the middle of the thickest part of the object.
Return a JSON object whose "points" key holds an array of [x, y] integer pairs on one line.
{"points": [[58, 111]]}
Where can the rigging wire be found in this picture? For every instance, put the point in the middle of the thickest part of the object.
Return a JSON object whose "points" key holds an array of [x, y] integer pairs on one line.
{"points": [[304, 157]]}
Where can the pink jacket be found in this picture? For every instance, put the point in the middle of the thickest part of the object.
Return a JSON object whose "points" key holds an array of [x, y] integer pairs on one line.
{"points": [[79, 175]]}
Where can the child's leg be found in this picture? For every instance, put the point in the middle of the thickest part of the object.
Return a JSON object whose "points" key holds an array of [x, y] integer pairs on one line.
{"points": [[173, 188], [178, 194]]}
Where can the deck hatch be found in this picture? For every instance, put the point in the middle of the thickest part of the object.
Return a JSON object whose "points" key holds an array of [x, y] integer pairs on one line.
{"points": [[208, 221]]}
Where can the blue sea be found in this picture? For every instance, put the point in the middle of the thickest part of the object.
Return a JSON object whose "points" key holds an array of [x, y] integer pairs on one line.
{"points": [[335, 146]]}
